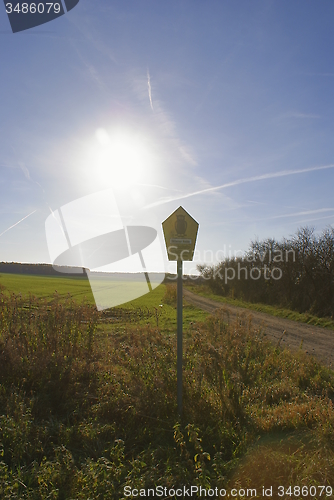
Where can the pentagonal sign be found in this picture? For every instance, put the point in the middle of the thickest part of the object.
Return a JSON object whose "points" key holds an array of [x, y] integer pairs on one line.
{"points": [[180, 231]]}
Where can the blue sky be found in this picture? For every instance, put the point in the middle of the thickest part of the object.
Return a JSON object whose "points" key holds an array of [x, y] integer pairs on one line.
{"points": [[225, 108]]}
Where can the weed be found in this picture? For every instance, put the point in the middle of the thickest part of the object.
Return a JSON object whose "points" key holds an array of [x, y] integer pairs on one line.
{"points": [[88, 406]]}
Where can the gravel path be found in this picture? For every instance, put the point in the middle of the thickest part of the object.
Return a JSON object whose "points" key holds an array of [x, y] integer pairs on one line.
{"points": [[314, 340]]}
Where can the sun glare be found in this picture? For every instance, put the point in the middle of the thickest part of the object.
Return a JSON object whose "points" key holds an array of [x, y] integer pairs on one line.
{"points": [[120, 157]]}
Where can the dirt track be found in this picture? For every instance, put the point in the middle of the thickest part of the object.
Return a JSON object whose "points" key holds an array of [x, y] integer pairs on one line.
{"points": [[314, 340]]}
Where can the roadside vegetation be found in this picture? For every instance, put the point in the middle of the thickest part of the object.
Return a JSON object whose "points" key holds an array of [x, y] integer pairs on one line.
{"points": [[206, 291], [88, 402], [295, 274]]}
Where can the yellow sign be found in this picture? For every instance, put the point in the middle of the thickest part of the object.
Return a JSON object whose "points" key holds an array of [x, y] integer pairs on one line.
{"points": [[180, 231]]}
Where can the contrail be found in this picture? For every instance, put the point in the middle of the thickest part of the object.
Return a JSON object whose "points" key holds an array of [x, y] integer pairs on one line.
{"points": [[16, 223], [297, 214], [311, 220], [282, 173], [156, 186], [308, 212], [149, 89]]}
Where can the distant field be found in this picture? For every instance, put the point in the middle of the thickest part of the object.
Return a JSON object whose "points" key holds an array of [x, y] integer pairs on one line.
{"points": [[47, 286], [154, 309], [78, 288]]}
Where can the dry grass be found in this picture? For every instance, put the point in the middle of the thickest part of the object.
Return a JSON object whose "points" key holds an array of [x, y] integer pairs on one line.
{"points": [[89, 408]]}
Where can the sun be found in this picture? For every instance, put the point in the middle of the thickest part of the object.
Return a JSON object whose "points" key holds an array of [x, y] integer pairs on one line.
{"points": [[121, 157]]}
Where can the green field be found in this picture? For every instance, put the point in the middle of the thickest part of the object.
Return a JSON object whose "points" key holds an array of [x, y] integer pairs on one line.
{"points": [[47, 286], [78, 288], [88, 401]]}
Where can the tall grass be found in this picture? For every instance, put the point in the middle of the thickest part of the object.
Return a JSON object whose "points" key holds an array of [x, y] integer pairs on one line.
{"points": [[88, 408]]}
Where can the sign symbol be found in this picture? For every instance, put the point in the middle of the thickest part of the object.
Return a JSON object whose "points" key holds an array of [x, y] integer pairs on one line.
{"points": [[180, 225], [27, 14]]}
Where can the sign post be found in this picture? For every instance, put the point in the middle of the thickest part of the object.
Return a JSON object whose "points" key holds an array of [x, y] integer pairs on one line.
{"points": [[180, 231], [179, 335]]}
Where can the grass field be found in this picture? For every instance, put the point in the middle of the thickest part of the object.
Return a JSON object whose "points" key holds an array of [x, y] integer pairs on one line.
{"points": [[88, 404], [78, 288], [47, 286]]}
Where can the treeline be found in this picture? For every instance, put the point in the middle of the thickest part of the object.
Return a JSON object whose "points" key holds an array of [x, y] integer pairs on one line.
{"points": [[297, 273], [40, 269]]}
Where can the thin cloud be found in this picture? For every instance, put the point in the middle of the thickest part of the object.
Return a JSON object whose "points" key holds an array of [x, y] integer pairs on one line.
{"points": [[16, 223], [156, 186], [163, 120], [263, 219], [298, 115], [318, 74], [282, 173], [302, 115], [21, 165], [298, 214], [92, 71], [24, 170], [312, 220], [307, 212], [88, 31], [149, 89]]}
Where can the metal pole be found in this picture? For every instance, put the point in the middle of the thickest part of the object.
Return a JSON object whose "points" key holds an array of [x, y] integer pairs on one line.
{"points": [[179, 336]]}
